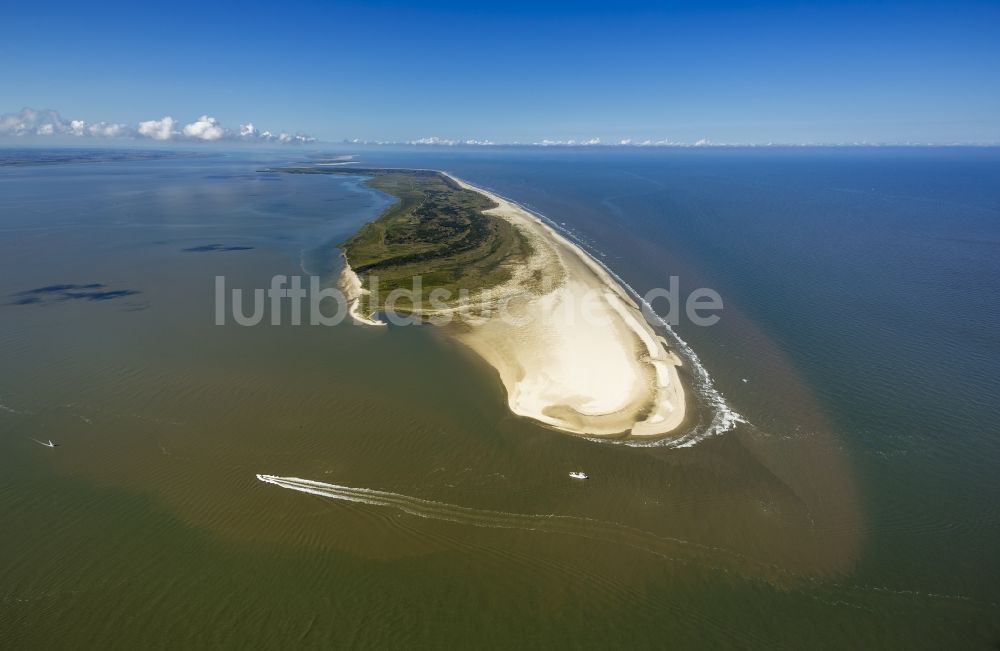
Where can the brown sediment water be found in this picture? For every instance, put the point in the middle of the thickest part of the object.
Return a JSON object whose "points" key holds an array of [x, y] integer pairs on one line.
{"points": [[402, 503]]}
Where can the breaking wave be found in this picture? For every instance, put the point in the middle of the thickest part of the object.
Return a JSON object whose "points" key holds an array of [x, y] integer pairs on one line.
{"points": [[724, 417]]}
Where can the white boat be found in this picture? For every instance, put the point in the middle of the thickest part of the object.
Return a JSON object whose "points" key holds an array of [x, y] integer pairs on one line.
{"points": [[579, 475]]}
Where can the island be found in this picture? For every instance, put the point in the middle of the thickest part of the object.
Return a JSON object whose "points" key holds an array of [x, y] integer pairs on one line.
{"points": [[571, 346]]}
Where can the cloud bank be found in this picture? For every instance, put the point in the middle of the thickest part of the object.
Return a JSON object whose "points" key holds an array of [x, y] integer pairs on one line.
{"points": [[584, 142], [32, 122]]}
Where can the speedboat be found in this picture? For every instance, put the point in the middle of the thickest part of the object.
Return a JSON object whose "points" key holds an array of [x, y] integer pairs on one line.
{"points": [[576, 474]]}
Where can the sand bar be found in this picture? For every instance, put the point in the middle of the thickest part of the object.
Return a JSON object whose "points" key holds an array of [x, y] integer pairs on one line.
{"points": [[570, 345]]}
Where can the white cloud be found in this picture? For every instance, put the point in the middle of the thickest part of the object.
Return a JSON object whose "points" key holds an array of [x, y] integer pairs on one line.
{"points": [[158, 129], [656, 143], [433, 140], [572, 142], [47, 123], [205, 128], [31, 122], [568, 143], [108, 130], [98, 130], [295, 138]]}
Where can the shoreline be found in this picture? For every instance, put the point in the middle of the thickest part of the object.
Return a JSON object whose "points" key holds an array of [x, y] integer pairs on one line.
{"points": [[724, 419], [600, 380], [350, 286], [578, 356]]}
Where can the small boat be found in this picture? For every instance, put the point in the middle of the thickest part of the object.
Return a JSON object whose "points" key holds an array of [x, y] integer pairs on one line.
{"points": [[48, 444], [579, 475]]}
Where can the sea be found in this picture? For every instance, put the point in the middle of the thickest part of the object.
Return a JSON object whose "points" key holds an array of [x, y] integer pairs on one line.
{"points": [[307, 486]]}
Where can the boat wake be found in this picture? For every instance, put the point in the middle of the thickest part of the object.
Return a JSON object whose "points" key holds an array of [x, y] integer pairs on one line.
{"points": [[665, 547], [673, 549]]}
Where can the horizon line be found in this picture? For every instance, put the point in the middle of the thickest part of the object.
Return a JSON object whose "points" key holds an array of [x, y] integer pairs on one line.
{"points": [[32, 140]]}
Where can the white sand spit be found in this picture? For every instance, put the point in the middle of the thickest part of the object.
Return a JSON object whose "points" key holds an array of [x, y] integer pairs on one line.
{"points": [[572, 349], [576, 355]]}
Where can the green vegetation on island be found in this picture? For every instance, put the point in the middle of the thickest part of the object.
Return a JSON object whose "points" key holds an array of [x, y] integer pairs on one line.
{"points": [[437, 230]]}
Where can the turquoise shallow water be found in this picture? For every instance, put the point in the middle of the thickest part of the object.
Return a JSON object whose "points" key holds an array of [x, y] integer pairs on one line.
{"points": [[857, 506]]}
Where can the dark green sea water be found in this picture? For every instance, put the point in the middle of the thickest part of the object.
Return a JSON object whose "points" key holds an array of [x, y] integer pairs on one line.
{"points": [[857, 507]]}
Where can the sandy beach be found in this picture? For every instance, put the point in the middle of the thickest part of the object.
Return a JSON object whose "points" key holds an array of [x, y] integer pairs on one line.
{"points": [[570, 345], [350, 286]]}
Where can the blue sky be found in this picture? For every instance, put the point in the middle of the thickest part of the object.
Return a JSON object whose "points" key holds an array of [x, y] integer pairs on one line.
{"points": [[736, 72]]}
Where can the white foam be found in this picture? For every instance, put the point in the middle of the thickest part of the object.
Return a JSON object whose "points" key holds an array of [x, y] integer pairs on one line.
{"points": [[664, 546], [724, 417], [10, 409]]}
